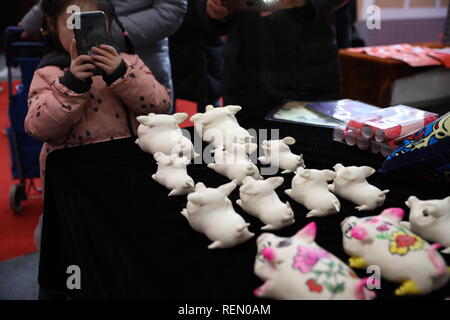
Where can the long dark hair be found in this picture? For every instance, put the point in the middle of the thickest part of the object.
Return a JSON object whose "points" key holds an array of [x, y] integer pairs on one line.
{"points": [[51, 10]]}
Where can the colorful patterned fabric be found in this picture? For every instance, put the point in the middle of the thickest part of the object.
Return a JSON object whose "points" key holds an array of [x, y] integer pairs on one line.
{"points": [[428, 150]]}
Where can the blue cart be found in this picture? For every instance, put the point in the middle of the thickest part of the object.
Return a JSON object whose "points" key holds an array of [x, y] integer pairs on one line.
{"points": [[25, 150]]}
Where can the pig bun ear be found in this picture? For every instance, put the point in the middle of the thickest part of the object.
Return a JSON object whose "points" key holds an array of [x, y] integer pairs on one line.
{"points": [[251, 148], [435, 212], [411, 200], [275, 182], [209, 107], [447, 200], [158, 156], [360, 233], [200, 187], [163, 159], [330, 175], [232, 110], [308, 233], [393, 214], [196, 117], [180, 117], [151, 115], [144, 120], [151, 120], [369, 171], [228, 188], [338, 167], [289, 141], [347, 174], [304, 173]]}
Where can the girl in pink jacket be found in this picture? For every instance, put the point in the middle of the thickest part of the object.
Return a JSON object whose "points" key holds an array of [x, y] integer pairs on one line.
{"points": [[69, 106]]}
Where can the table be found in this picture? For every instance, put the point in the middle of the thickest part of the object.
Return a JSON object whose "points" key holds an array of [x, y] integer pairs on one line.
{"points": [[371, 79], [131, 242]]}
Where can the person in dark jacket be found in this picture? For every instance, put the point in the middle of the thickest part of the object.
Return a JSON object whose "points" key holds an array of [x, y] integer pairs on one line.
{"points": [[199, 79], [290, 54]]}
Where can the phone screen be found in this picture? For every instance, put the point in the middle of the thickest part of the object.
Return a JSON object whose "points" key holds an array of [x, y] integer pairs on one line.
{"points": [[92, 31]]}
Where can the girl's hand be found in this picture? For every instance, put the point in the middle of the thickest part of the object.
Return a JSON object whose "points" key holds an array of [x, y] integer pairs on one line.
{"points": [[106, 58], [82, 66]]}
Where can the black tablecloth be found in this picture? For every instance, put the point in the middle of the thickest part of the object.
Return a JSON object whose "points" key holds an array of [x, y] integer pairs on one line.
{"points": [[105, 214]]}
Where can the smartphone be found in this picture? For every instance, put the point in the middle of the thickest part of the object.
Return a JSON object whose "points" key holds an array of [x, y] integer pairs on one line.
{"points": [[250, 5], [92, 32]]}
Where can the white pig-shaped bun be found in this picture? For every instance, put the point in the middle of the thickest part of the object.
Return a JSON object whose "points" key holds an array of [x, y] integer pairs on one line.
{"points": [[220, 126], [233, 162], [402, 256], [172, 174], [209, 211], [430, 220], [297, 268], [277, 153], [310, 189], [161, 133], [259, 199], [351, 184]]}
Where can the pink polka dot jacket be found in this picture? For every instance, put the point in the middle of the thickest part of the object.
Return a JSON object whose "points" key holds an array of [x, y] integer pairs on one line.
{"points": [[67, 112]]}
